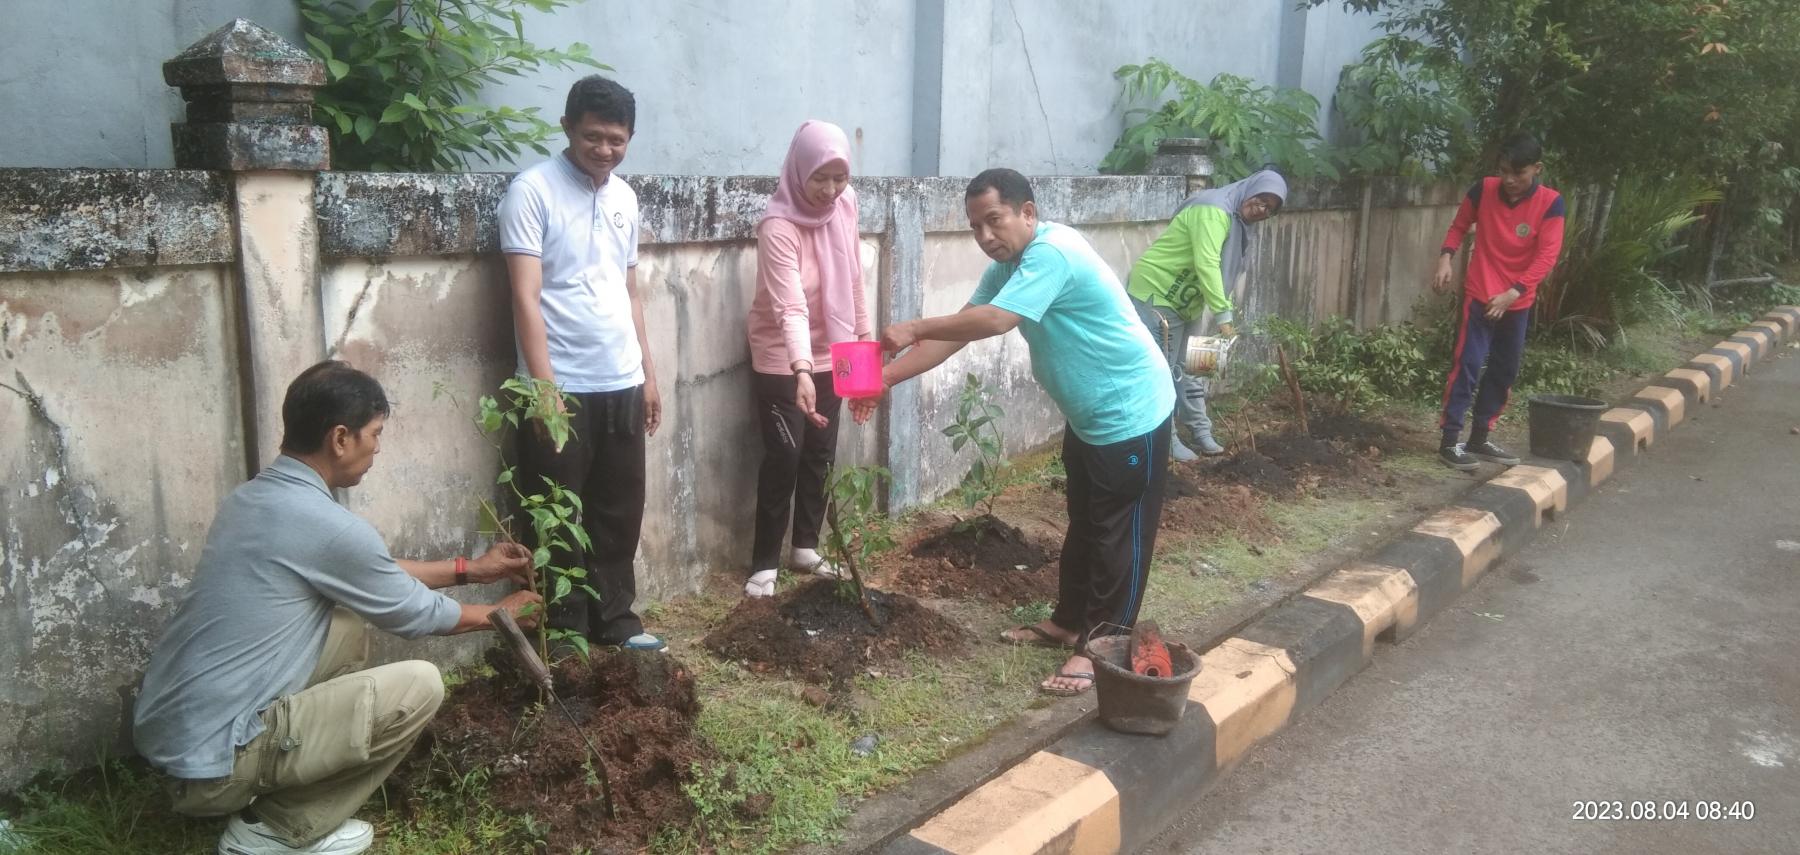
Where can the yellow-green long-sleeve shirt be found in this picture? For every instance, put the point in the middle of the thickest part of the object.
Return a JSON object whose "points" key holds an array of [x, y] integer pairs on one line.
{"points": [[1181, 269]]}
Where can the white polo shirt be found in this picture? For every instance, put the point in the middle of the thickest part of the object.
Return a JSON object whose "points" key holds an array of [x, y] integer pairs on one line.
{"points": [[586, 239]]}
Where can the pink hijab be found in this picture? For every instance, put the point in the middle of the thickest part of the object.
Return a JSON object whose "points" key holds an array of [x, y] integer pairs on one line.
{"points": [[840, 265]]}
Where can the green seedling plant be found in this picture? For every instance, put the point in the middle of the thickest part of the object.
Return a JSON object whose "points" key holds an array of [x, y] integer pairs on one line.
{"points": [[978, 424], [552, 510], [858, 532]]}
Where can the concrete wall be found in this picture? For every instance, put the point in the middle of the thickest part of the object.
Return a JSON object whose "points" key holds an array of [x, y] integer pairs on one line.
{"points": [[924, 87], [120, 413]]}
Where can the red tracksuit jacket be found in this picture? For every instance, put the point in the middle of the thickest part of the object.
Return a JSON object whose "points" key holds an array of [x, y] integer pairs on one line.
{"points": [[1516, 244]]}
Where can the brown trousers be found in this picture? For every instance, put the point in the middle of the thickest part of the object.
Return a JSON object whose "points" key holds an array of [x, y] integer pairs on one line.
{"points": [[325, 749]]}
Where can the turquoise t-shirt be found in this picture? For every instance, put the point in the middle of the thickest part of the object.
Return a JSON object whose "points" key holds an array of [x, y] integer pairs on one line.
{"points": [[1088, 348]]}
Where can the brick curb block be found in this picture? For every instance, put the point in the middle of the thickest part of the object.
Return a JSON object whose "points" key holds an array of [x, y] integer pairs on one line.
{"points": [[1097, 791]]}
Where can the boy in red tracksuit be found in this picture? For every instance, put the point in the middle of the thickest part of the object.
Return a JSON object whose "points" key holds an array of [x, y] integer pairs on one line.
{"points": [[1518, 234]]}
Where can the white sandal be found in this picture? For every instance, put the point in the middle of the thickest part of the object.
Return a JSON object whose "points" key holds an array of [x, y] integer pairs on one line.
{"points": [[810, 561], [761, 584]]}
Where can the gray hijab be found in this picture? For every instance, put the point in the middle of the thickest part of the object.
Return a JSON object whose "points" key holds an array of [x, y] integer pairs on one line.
{"points": [[1230, 199]]}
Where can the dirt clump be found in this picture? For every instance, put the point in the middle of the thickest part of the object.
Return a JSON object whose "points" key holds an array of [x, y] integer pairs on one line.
{"points": [[983, 557], [637, 708], [818, 633]]}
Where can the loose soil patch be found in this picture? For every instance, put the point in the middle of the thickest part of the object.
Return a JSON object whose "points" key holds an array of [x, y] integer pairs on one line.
{"points": [[1200, 508], [816, 633], [1251, 468], [983, 557], [637, 708], [1356, 433]]}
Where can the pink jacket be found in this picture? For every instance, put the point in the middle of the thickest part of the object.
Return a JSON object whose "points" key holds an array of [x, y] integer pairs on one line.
{"points": [[794, 316]]}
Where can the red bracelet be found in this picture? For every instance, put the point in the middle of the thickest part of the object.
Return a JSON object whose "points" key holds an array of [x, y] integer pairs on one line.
{"points": [[462, 570]]}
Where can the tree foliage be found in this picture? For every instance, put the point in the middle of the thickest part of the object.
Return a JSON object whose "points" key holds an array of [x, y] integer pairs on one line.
{"points": [[1249, 125], [404, 78], [1636, 86]]}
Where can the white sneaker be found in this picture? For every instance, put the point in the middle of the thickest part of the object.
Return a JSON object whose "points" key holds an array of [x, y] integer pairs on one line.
{"points": [[761, 584], [245, 838], [810, 561]]}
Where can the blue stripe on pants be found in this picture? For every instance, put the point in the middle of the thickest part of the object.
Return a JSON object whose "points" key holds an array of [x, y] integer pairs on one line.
{"points": [[1484, 367]]}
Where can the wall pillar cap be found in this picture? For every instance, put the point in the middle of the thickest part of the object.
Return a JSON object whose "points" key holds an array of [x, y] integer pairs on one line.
{"points": [[249, 95]]}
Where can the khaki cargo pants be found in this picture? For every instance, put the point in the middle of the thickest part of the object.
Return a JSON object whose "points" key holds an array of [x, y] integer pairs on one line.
{"points": [[326, 748]]}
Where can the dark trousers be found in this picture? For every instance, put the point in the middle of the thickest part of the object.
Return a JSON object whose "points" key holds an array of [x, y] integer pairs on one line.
{"points": [[603, 463], [797, 459], [1495, 345], [1115, 495]]}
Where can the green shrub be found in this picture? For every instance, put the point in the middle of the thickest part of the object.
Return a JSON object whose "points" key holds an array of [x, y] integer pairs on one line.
{"points": [[403, 80], [1248, 125]]}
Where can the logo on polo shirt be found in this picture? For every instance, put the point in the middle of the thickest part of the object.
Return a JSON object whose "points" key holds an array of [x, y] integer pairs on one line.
{"points": [[1524, 230], [619, 219]]}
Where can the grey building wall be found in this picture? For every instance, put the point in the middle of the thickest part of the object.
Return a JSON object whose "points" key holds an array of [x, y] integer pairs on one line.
{"points": [[81, 80], [924, 87]]}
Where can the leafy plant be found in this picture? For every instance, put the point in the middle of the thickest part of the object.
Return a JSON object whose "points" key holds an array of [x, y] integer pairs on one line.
{"points": [[1610, 280], [978, 422], [857, 532], [1405, 111], [1249, 125], [1357, 369], [403, 78], [552, 510]]}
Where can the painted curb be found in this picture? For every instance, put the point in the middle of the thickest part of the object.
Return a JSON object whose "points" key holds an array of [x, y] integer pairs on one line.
{"points": [[1097, 791]]}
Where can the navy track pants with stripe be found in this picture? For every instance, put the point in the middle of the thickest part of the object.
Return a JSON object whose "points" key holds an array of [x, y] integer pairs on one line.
{"points": [[1495, 346], [1115, 495]]}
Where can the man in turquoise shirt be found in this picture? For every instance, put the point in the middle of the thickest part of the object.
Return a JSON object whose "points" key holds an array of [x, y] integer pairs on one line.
{"points": [[1100, 366]]}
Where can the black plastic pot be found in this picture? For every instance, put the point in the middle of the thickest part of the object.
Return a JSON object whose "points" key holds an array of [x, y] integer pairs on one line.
{"points": [[1562, 426]]}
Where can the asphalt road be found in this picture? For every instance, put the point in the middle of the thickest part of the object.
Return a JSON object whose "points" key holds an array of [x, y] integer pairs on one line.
{"points": [[1643, 652]]}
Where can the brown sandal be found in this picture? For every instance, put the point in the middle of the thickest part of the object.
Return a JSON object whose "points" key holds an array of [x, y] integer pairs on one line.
{"points": [[1043, 639], [1069, 693]]}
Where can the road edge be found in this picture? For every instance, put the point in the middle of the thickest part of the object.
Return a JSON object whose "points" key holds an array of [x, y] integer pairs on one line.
{"points": [[1097, 791]]}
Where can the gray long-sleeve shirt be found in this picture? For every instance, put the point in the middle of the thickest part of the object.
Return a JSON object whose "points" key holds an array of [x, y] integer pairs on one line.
{"points": [[280, 554]]}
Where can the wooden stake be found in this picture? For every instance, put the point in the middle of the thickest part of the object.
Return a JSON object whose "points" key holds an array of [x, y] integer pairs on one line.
{"points": [[1293, 384], [862, 593]]}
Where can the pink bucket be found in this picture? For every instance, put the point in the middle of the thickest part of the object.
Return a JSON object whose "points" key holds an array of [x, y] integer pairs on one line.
{"points": [[856, 369]]}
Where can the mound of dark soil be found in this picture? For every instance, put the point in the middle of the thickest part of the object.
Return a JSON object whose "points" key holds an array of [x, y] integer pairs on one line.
{"points": [[1356, 432], [983, 543], [1254, 470], [818, 632], [1297, 452], [983, 557], [637, 708]]}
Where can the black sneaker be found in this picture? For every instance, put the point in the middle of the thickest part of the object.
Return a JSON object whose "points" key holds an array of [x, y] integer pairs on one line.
{"points": [[1454, 457], [1491, 451]]}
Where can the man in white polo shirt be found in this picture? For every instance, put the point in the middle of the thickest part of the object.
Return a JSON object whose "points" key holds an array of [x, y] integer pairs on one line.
{"points": [[569, 230]]}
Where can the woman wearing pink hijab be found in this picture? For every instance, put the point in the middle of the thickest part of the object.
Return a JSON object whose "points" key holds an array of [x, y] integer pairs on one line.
{"points": [[809, 294]]}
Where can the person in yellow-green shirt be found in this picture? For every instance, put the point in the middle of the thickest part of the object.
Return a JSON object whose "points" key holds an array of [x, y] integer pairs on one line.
{"points": [[1187, 271]]}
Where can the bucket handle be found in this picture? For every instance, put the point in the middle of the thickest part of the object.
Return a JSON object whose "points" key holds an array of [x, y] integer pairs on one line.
{"points": [[1095, 631]]}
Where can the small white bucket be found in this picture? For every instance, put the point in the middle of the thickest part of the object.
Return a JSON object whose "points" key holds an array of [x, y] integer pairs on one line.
{"points": [[1206, 355]]}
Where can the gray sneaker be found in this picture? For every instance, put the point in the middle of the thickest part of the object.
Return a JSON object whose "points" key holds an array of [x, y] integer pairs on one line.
{"points": [[1181, 453], [1456, 458], [1208, 446], [1491, 451], [245, 838]]}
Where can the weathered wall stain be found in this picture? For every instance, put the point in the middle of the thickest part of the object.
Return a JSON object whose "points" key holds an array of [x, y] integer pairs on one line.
{"points": [[87, 219], [120, 440]]}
